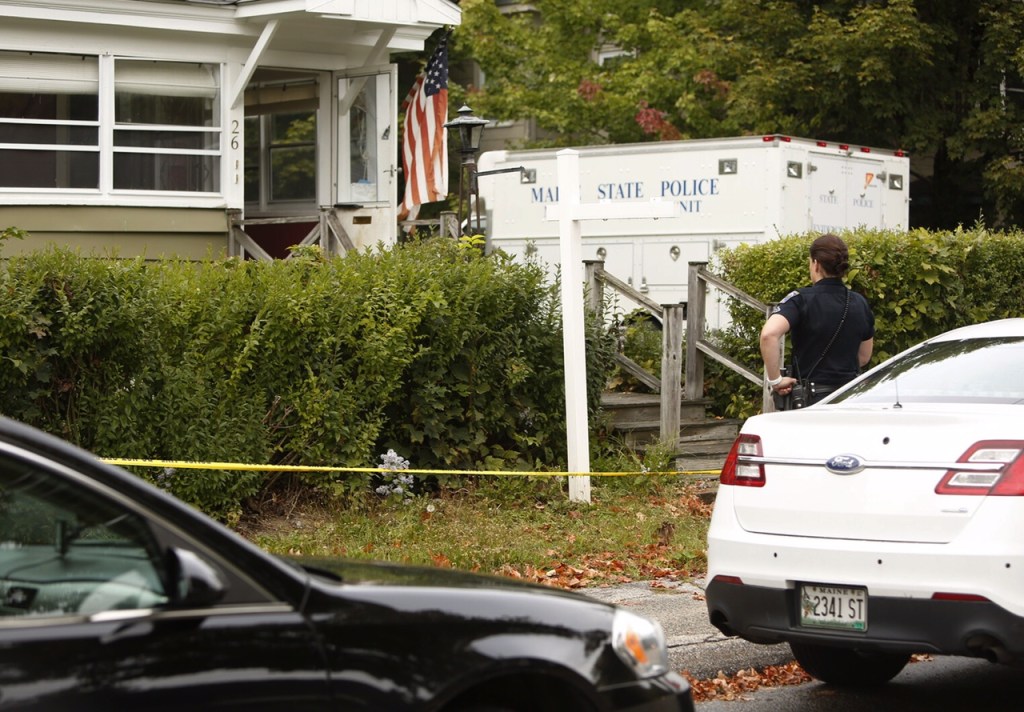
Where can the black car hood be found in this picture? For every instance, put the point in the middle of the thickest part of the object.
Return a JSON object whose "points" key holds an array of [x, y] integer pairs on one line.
{"points": [[426, 598], [382, 573]]}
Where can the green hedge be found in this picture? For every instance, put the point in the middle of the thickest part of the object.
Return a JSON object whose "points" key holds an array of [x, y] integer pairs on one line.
{"points": [[919, 284], [448, 357]]}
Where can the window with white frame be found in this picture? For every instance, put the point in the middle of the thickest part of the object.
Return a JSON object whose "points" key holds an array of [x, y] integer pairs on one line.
{"points": [[160, 129], [280, 141], [611, 56], [166, 126], [49, 121]]}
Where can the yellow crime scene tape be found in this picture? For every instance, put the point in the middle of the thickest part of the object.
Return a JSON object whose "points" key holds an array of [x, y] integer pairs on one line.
{"points": [[180, 465]]}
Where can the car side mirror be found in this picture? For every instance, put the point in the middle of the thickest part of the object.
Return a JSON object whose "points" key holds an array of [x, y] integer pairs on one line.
{"points": [[195, 583]]}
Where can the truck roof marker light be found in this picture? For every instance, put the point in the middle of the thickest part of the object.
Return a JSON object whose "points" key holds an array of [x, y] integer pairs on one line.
{"points": [[900, 153], [768, 139], [844, 147], [787, 139], [822, 144], [865, 149]]}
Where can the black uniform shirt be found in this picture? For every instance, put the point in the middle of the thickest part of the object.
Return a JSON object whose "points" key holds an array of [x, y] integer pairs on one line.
{"points": [[813, 314]]}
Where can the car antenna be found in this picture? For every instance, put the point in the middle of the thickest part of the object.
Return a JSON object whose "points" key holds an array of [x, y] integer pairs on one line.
{"points": [[897, 404]]}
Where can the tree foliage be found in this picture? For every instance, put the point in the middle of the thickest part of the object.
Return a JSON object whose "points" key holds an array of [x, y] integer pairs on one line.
{"points": [[941, 79]]}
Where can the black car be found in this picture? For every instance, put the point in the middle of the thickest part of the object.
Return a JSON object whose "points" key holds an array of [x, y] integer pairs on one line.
{"points": [[116, 596]]}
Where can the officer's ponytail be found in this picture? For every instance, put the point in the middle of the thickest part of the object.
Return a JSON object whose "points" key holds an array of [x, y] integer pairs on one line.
{"points": [[832, 254]]}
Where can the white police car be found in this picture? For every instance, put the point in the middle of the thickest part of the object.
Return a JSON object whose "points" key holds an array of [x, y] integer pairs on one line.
{"points": [[887, 520]]}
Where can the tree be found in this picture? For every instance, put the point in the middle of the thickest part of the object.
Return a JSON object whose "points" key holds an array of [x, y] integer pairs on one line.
{"points": [[940, 79], [543, 65]]}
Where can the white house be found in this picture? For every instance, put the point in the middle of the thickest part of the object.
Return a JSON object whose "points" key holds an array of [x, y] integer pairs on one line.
{"points": [[204, 127]]}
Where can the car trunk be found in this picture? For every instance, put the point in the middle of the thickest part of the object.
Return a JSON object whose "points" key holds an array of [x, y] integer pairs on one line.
{"points": [[906, 452]]}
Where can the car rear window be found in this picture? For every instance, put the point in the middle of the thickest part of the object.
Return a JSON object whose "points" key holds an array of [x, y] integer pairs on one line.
{"points": [[987, 370]]}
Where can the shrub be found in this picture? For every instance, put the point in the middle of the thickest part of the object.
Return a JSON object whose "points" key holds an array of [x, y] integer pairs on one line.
{"points": [[918, 283], [451, 358]]}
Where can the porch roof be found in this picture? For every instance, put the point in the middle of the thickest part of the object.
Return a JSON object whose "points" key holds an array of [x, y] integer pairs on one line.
{"points": [[349, 28]]}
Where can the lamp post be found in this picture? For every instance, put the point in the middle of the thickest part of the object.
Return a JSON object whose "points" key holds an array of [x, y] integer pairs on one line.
{"points": [[471, 128]]}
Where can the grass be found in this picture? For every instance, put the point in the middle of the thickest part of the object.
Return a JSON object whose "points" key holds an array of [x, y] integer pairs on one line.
{"points": [[634, 529]]}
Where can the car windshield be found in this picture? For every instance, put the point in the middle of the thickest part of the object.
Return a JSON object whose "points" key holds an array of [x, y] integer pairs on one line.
{"points": [[989, 370]]}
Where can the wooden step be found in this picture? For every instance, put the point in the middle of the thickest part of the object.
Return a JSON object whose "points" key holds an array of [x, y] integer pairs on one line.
{"points": [[695, 436], [703, 442], [637, 407]]}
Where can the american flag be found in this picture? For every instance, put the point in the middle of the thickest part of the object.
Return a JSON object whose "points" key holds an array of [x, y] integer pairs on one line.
{"points": [[425, 152]]}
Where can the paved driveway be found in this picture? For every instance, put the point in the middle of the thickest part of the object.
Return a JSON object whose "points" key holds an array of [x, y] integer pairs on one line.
{"points": [[694, 644]]}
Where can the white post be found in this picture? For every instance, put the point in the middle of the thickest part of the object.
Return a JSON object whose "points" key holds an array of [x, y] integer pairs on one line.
{"points": [[573, 336], [570, 213]]}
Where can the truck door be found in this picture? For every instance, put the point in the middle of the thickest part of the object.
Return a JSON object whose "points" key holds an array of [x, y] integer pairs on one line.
{"points": [[845, 192], [617, 254], [666, 264]]}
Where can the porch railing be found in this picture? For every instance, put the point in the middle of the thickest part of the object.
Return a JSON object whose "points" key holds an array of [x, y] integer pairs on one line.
{"points": [[327, 232], [670, 386], [446, 224], [697, 347]]}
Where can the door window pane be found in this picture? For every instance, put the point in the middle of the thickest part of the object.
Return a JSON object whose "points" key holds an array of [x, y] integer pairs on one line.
{"points": [[363, 120], [366, 140]]}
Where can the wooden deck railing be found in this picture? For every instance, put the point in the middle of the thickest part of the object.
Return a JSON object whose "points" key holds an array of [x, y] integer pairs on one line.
{"points": [[697, 347], [327, 232], [672, 316]]}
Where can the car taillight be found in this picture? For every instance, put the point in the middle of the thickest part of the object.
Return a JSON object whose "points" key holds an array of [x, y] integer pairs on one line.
{"points": [[999, 470], [743, 474]]}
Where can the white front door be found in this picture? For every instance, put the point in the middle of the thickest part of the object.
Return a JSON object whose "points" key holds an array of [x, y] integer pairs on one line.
{"points": [[367, 138]]}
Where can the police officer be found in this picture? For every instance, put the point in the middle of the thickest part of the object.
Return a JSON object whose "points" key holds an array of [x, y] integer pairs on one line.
{"points": [[832, 327]]}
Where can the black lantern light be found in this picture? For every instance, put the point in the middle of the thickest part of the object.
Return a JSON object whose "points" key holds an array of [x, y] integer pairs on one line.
{"points": [[471, 129]]}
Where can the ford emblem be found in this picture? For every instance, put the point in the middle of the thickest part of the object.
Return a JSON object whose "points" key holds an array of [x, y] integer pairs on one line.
{"points": [[844, 464]]}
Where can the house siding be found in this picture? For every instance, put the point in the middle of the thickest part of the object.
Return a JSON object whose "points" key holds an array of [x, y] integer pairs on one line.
{"points": [[152, 233]]}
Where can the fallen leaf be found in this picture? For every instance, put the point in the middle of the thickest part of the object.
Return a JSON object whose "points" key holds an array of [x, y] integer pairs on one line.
{"points": [[730, 687]]}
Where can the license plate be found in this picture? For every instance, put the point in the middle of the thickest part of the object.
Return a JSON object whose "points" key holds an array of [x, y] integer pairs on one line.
{"points": [[837, 607]]}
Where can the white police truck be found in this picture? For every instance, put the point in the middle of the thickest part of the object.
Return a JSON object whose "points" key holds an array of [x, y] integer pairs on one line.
{"points": [[729, 191]]}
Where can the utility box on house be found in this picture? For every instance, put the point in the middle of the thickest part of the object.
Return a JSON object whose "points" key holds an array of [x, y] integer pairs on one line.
{"points": [[730, 191]]}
